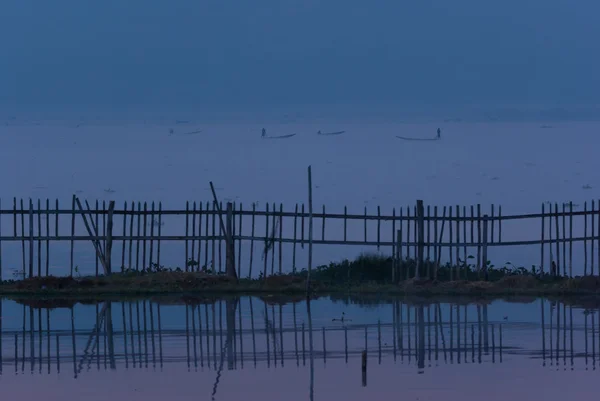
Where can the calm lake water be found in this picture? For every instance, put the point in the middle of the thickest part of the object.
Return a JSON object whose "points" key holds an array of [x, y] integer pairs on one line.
{"points": [[253, 348]]}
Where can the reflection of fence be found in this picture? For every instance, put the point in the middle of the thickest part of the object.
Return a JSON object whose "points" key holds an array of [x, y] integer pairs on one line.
{"points": [[133, 335], [136, 234]]}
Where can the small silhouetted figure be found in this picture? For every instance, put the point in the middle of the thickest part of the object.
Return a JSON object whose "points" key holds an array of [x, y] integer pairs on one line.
{"points": [[553, 268], [439, 133], [264, 133], [319, 132]]}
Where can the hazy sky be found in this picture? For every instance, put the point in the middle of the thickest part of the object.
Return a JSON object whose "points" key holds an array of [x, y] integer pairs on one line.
{"points": [[223, 52]]}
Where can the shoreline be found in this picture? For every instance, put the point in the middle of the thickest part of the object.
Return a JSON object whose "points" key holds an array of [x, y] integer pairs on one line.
{"points": [[201, 285]]}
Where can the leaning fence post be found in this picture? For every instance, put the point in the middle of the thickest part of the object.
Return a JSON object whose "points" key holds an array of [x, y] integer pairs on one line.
{"points": [[421, 238], [109, 239], [230, 249], [484, 257]]}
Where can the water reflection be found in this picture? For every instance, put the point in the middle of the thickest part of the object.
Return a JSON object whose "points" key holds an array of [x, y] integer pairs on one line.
{"points": [[238, 334]]}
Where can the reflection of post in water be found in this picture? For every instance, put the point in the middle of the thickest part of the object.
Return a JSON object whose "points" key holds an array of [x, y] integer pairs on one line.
{"points": [[303, 346], [295, 334], [139, 333], [273, 333], [1, 328], [379, 341], [231, 305], [401, 331], [310, 348], [346, 343], [408, 333], [564, 335], [593, 341], [199, 335], [571, 333], [324, 348], [485, 329], [187, 335], [585, 330], [421, 356], [551, 328], [493, 344], [458, 349], [266, 314], [500, 330], [241, 331], [192, 309], [58, 353], [437, 337], [206, 324], [252, 329], [451, 322], [145, 330], [125, 351], [542, 302], [31, 339], [132, 333], [479, 333], [214, 331], [472, 343], [443, 338], [281, 334], [73, 341], [152, 334], [110, 335]]}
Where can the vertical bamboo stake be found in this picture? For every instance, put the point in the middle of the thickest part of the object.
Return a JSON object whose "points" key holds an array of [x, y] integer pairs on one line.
{"points": [[145, 232], [542, 244], [457, 242], [592, 237], [345, 222], [281, 233], [47, 237], [1, 277], [378, 227], [323, 226], [239, 233], [302, 227], [585, 239], [187, 228], [597, 239], [365, 225], [159, 233], [439, 254], [416, 229], [151, 256], [137, 241], [294, 243], [465, 256], [492, 224], [266, 251], [310, 229], [124, 234], [109, 240], [39, 234], [200, 236], [252, 239], [97, 220], [420, 225], [103, 224], [213, 244], [407, 234], [72, 236], [550, 242], [557, 227], [451, 242], [394, 260], [56, 220], [206, 231], [193, 251], [499, 223], [30, 238], [230, 246], [435, 238], [571, 239], [485, 244], [428, 220], [272, 239], [564, 242], [479, 264], [220, 208], [399, 242], [130, 265]]}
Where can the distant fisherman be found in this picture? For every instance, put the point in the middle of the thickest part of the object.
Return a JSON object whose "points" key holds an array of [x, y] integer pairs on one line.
{"points": [[439, 132], [264, 133]]}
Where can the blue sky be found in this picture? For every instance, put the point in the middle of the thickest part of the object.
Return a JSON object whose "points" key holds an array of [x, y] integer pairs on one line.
{"points": [[236, 53]]}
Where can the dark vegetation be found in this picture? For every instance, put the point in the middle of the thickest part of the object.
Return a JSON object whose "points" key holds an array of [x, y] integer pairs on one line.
{"points": [[367, 275]]}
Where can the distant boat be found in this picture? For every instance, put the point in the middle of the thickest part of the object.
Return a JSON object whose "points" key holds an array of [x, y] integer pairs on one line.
{"points": [[417, 139], [192, 132], [330, 133], [280, 136]]}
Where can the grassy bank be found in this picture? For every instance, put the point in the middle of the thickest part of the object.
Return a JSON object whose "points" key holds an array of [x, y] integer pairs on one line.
{"points": [[368, 274]]}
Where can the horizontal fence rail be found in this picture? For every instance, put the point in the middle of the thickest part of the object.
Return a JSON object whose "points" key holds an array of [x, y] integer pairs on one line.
{"points": [[214, 235]]}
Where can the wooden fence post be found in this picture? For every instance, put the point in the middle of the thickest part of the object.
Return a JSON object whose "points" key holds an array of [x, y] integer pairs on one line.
{"points": [[109, 239], [310, 228], [484, 257], [421, 238], [30, 238], [230, 247]]}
